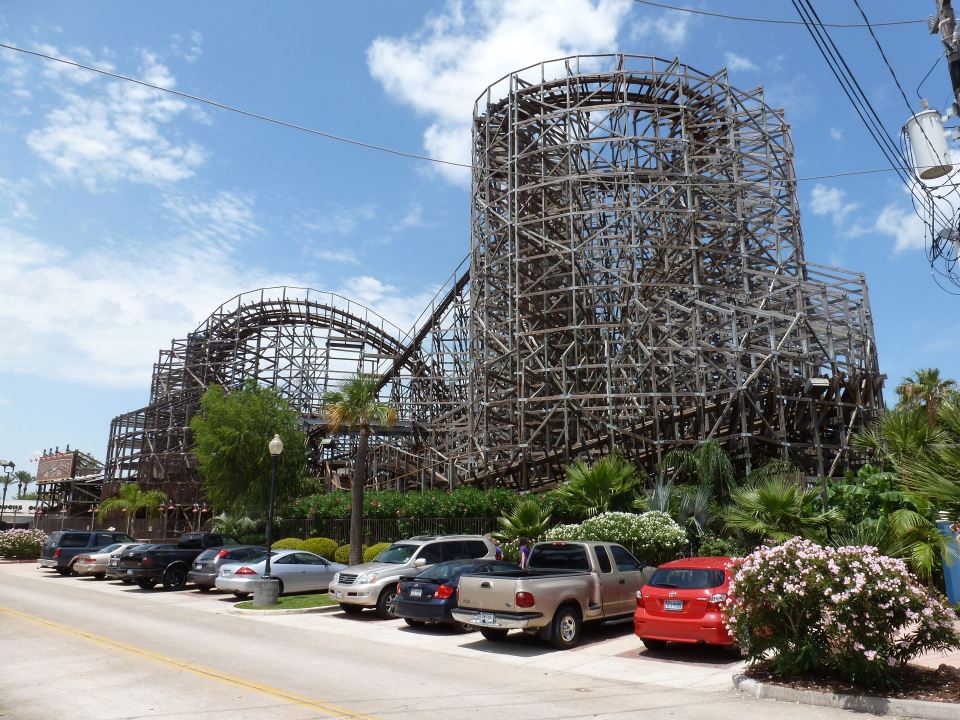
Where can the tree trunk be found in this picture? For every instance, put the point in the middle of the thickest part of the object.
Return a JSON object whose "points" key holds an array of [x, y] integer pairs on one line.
{"points": [[356, 495]]}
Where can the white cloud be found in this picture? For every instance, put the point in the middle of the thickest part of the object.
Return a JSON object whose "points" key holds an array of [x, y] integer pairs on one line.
{"points": [[832, 202], [442, 68], [188, 48], [836, 134], [224, 219], [389, 301], [739, 62], [413, 218], [672, 28], [904, 226], [338, 255], [117, 131], [13, 199]]}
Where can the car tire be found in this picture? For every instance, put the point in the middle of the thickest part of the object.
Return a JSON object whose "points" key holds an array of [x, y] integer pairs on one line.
{"points": [[567, 625], [351, 609], [734, 651], [654, 644], [279, 588], [414, 623], [386, 602], [204, 588], [494, 634], [66, 572], [100, 576], [147, 584], [126, 581], [241, 595], [175, 579]]}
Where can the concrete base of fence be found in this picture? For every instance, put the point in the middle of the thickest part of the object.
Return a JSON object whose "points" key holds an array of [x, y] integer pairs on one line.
{"points": [[896, 707]]}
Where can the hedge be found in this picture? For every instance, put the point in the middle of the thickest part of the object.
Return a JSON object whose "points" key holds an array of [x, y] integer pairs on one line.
{"points": [[324, 547], [289, 543], [371, 552], [342, 555]]}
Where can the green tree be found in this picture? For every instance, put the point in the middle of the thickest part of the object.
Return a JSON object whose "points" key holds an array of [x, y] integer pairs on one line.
{"points": [[231, 434], [708, 465], [898, 434], [925, 390], [23, 479], [528, 519], [610, 484], [355, 405], [131, 500]]}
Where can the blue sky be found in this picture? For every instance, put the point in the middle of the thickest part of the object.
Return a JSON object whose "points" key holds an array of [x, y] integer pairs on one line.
{"points": [[127, 216]]}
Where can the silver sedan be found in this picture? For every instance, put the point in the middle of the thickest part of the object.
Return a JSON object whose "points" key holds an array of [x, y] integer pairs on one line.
{"points": [[297, 571], [95, 563]]}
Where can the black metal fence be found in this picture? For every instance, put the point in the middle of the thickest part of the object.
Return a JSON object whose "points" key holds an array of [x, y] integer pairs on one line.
{"points": [[377, 530]]}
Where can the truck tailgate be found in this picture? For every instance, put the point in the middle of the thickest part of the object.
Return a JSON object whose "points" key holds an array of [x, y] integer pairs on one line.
{"points": [[478, 592]]}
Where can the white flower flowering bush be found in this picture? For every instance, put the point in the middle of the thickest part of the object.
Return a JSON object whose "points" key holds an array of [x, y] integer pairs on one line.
{"points": [[22, 544], [652, 536], [849, 612]]}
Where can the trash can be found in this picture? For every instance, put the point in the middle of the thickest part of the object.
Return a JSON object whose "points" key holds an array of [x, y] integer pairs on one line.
{"points": [[951, 568]]}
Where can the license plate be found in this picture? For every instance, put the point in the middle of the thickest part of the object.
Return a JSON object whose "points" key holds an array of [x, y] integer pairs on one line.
{"points": [[673, 605], [486, 619], [416, 592], [129, 572], [337, 594]]}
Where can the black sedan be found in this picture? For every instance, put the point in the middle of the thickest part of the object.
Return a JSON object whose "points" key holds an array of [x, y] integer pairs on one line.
{"points": [[431, 595], [206, 566]]}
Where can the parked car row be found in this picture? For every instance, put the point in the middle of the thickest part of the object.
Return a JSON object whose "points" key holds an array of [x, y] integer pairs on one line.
{"points": [[453, 579]]}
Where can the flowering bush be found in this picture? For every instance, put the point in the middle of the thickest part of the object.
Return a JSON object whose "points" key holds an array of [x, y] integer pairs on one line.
{"points": [[849, 612], [22, 544], [652, 536]]}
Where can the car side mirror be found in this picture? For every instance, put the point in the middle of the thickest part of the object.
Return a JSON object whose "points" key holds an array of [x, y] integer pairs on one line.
{"points": [[419, 562]]}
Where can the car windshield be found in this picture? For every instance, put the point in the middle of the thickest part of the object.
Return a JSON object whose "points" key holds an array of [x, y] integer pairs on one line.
{"points": [[397, 554], [687, 578], [111, 548], [445, 571]]}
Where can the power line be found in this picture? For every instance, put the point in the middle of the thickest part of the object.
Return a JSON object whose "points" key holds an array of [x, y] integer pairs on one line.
{"points": [[771, 21], [360, 143]]}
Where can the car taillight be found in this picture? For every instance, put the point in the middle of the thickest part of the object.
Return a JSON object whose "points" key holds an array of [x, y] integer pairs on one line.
{"points": [[443, 592], [147, 562], [524, 599], [56, 553], [222, 554], [639, 599], [245, 571], [716, 600], [398, 588]]}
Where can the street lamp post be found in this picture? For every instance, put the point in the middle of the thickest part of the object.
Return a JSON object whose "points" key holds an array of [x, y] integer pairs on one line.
{"points": [[268, 589], [8, 466]]}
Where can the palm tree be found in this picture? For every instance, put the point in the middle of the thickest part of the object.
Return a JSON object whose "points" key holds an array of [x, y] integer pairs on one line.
{"points": [[355, 405], [905, 433], [707, 464], [691, 507], [131, 499], [609, 484], [778, 507], [925, 390], [23, 479], [528, 519]]}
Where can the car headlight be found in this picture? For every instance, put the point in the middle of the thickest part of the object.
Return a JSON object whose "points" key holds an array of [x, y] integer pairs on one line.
{"points": [[366, 578], [336, 578]]}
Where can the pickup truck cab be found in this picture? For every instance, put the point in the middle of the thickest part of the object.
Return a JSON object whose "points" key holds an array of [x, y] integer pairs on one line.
{"points": [[565, 585], [170, 564]]}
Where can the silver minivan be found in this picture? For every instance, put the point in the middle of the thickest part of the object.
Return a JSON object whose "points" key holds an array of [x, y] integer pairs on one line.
{"points": [[374, 584]]}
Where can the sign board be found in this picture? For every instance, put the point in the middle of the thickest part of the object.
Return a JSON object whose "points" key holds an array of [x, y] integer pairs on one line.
{"points": [[56, 466]]}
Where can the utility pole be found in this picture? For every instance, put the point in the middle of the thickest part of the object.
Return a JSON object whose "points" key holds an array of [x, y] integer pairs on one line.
{"points": [[945, 25]]}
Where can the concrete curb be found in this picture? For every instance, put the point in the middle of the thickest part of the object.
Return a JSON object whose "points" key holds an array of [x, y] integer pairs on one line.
{"points": [[292, 611], [859, 703]]}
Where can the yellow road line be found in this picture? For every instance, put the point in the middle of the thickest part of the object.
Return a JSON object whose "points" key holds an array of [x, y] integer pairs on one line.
{"points": [[326, 708]]}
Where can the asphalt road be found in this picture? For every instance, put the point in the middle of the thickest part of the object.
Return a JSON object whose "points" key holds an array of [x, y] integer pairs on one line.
{"points": [[80, 648]]}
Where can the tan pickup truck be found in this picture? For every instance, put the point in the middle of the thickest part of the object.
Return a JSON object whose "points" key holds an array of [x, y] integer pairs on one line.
{"points": [[565, 585]]}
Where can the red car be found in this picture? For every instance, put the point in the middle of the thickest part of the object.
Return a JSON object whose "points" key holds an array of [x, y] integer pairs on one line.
{"points": [[682, 602]]}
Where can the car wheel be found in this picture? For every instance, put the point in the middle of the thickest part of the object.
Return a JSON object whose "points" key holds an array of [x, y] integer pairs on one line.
{"points": [[566, 628], [414, 623], [175, 579], [386, 602], [147, 584], [241, 595], [65, 571], [351, 609], [279, 588], [126, 581], [100, 576], [204, 588], [654, 644], [494, 634], [734, 651]]}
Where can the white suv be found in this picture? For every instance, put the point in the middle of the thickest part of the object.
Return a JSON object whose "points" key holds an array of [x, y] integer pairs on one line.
{"points": [[374, 584]]}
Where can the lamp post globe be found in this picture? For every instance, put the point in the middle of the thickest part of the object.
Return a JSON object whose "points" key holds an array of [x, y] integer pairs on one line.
{"points": [[268, 586]]}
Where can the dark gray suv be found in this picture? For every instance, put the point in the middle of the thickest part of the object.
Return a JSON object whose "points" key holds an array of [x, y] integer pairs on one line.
{"points": [[63, 547]]}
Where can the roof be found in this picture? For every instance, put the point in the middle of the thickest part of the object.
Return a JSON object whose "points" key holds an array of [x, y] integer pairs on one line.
{"points": [[704, 563]]}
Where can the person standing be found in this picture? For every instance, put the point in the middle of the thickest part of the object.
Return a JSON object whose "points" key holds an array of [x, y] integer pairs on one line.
{"points": [[524, 552]]}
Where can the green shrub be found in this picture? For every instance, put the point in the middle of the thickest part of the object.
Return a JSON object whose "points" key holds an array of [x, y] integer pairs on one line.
{"points": [[847, 612], [713, 546], [463, 501], [22, 544], [289, 543], [342, 555], [324, 547], [652, 536], [371, 552]]}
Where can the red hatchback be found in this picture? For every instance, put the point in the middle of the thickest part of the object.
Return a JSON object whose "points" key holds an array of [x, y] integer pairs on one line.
{"points": [[682, 602]]}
